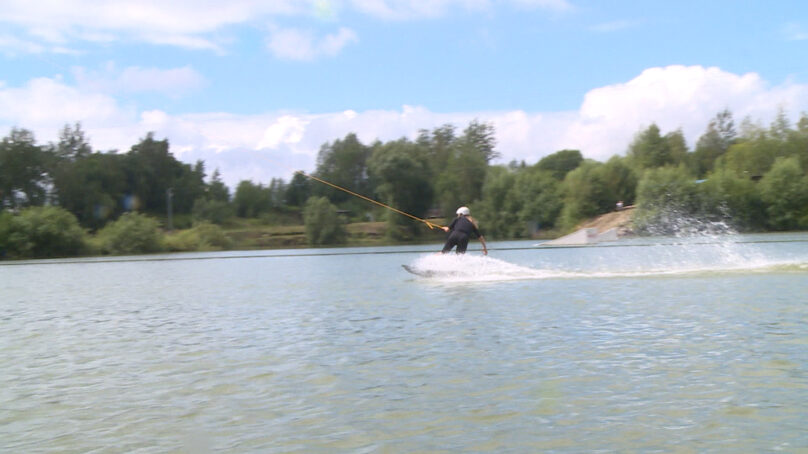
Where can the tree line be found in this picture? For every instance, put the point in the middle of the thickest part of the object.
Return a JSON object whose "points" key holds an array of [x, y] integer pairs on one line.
{"points": [[751, 176]]}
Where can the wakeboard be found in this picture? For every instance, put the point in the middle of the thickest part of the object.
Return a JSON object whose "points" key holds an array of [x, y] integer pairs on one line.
{"points": [[417, 272]]}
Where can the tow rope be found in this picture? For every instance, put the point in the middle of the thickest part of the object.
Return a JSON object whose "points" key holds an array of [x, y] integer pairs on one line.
{"points": [[429, 224]]}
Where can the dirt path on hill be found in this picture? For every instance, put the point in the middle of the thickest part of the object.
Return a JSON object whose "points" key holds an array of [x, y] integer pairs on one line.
{"points": [[621, 220]]}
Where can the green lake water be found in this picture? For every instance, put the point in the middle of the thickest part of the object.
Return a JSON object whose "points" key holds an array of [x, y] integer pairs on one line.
{"points": [[644, 345]]}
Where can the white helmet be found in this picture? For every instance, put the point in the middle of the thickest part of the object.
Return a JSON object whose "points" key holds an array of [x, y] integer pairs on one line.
{"points": [[464, 211]]}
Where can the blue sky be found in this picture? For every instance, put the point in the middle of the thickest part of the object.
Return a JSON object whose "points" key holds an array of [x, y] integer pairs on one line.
{"points": [[254, 88]]}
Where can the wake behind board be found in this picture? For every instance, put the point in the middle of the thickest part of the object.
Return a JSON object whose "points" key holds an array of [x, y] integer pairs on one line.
{"points": [[417, 272]]}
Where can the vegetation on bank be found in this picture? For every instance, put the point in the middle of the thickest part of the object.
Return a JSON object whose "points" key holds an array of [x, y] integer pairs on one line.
{"points": [[59, 235], [64, 199]]}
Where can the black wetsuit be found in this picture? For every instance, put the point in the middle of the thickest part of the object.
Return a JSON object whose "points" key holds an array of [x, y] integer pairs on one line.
{"points": [[459, 231]]}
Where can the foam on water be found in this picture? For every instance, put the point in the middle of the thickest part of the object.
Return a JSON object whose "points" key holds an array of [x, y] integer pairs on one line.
{"points": [[703, 245], [676, 255], [467, 267]]}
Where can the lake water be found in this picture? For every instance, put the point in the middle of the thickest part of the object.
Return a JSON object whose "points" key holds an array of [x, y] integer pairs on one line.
{"points": [[664, 344]]}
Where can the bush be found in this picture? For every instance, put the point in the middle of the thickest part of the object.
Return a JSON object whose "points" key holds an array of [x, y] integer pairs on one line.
{"points": [[667, 199], [726, 196], [215, 211], [323, 225], [6, 220], [41, 232], [585, 195], [784, 189], [203, 237], [132, 233]]}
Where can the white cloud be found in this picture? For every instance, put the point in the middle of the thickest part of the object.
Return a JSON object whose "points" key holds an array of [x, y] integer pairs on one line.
{"points": [[331, 45], [12, 45], [402, 9], [614, 26], [176, 16], [184, 23], [557, 5], [288, 129], [430, 9], [15, 44], [795, 32], [172, 82], [60, 25], [275, 144], [191, 42], [292, 44], [45, 103], [674, 97], [303, 45]]}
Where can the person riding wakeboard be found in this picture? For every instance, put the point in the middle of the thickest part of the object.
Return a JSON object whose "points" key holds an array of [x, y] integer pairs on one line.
{"points": [[461, 229]]}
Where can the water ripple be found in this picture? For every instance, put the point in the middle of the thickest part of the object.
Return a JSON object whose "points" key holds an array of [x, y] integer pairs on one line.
{"points": [[324, 354]]}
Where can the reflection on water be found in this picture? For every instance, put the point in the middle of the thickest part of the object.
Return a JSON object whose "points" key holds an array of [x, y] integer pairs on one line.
{"points": [[637, 346]]}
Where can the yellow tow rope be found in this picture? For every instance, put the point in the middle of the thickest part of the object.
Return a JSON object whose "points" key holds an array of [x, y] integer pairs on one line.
{"points": [[429, 224]]}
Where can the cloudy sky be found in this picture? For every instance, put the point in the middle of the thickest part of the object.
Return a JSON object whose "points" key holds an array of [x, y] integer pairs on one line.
{"points": [[255, 87]]}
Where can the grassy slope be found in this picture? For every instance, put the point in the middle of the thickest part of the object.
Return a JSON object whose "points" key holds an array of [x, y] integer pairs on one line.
{"points": [[253, 236], [620, 220]]}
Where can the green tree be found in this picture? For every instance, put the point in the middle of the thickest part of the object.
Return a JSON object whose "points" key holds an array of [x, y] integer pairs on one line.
{"points": [[750, 159], [214, 206], [650, 149], [402, 182], [720, 135], [188, 185], [792, 141], [561, 163], [518, 201], [540, 200], [781, 127], [152, 170], [677, 147], [751, 130], [7, 246], [277, 193], [132, 233], [728, 197], [298, 191], [73, 144], [499, 205], [89, 185], [480, 138], [216, 189], [212, 211], [251, 200], [23, 173], [439, 147], [799, 141], [667, 201], [461, 181], [755, 153], [42, 232], [619, 182], [784, 190], [92, 187], [585, 193], [344, 163], [322, 223]]}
